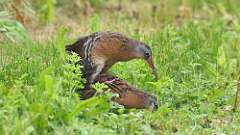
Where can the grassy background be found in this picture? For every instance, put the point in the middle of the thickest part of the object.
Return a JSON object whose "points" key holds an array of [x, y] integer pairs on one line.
{"points": [[195, 46]]}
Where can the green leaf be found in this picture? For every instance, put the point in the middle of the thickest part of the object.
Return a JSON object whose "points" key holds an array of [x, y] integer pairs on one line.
{"points": [[61, 40], [42, 77], [92, 102], [95, 23], [14, 31], [221, 60], [49, 85]]}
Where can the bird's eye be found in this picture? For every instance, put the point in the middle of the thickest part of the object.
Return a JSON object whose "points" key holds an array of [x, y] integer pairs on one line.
{"points": [[146, 55], [124, 47]]}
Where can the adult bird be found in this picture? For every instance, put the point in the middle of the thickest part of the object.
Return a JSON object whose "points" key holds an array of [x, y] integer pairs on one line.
{"points": [[100, 50]]}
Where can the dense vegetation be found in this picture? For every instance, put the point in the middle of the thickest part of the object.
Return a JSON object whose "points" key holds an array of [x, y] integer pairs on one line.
{"points": [[196, 49]]}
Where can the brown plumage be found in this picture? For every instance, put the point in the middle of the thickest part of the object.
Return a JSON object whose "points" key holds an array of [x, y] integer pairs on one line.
{"points": [[100, 50], [129, 96]]}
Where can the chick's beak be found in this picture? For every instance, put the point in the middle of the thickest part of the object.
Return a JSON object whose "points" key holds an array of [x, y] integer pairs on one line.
{"points": [[152, 66]]}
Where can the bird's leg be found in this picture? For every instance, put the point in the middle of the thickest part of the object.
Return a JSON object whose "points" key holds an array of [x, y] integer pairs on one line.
{"points": [[88, 91], [98, 70]]}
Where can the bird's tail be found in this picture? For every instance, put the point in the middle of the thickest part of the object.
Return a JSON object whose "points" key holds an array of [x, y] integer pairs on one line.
{"points": [[69, 48], [76, 46]]}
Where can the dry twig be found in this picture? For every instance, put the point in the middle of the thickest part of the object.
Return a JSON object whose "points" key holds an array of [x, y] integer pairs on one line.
{"points": [[235, 104]]}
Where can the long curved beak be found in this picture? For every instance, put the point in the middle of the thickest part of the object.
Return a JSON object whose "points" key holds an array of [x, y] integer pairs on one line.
{"points": [[152, 66]]}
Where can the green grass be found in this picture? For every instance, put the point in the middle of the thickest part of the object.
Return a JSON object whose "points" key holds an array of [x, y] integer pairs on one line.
{"points": [[197, 61]]}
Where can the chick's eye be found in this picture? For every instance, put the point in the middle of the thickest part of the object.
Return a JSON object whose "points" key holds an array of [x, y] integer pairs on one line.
{"points": [[146, 55], [124, 48]]}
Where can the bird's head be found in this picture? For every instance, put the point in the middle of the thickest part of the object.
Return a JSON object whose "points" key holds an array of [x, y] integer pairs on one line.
{"points": [[128, 49], [145, 52], [140, 50]]}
